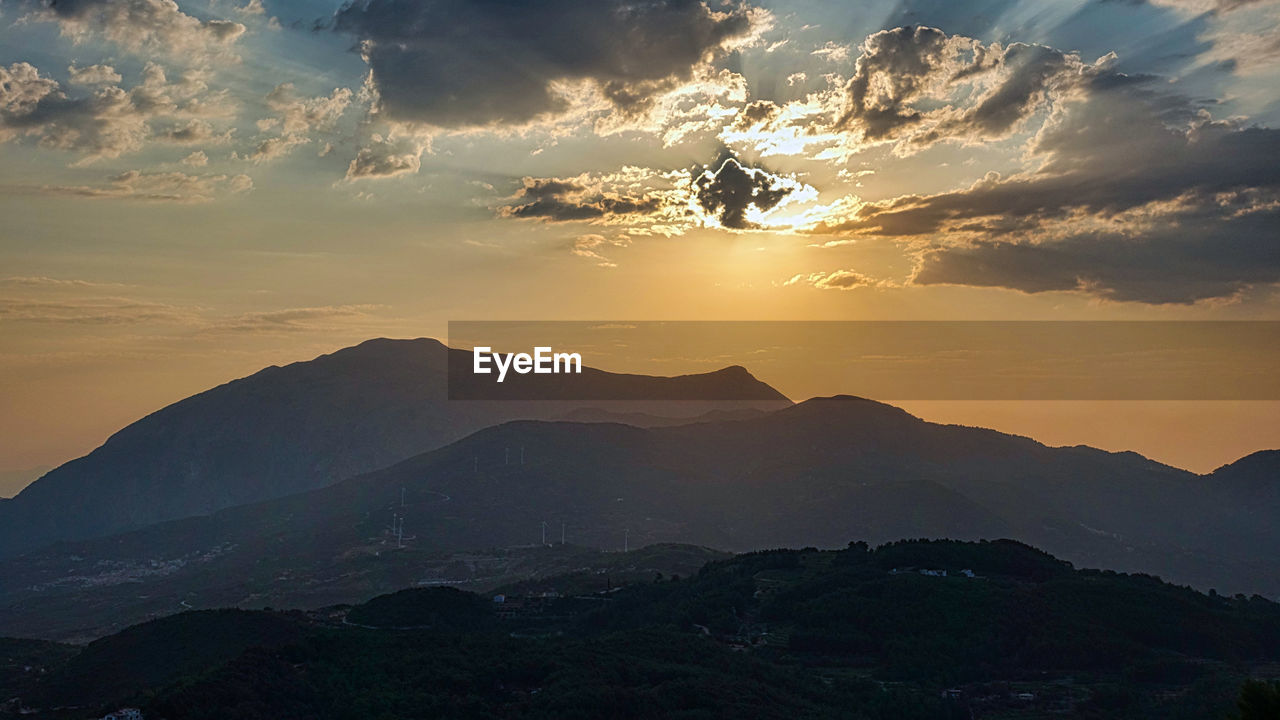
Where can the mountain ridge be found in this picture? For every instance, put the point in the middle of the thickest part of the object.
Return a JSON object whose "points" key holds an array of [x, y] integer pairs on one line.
{"points": [[292, 428], [822, 473]]}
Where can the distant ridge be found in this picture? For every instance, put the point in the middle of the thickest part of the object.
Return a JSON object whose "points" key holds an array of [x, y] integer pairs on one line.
{"points": [[289, 429], [1263, 465], [820, 473], [1253, 482]]}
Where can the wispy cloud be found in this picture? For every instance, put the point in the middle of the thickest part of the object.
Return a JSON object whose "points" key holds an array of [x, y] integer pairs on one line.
{"points": [[156, 187], [294, 319]]}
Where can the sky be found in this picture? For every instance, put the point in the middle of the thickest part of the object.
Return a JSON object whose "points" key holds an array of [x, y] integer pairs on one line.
{"points": [[193, 190]]}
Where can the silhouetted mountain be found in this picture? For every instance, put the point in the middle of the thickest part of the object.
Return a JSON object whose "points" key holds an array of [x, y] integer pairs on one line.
{"points": [[1255, 475], [821, 473], [909, 630], [1252, 486], [289, 429]]}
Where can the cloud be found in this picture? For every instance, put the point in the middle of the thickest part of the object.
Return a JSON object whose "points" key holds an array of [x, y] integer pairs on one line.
{"points": [[756, 114], [292, 319], [590, 246], [66, 301], [192, 132], [196, 159], [105, 124], [274, 148], [385, 158], [296, 117], [93, 75], [91, 311], [1172, 264], [110, 121], [1202, 6], [144, 26], [835, 280], [40, 281], [1244, 51], [648, 201], [896, 68], [73, 310], [1025, 75], [296, 114], [560, 200], [730, 192], [469, 63], [913, 87], [919, 85], [1138, 196], [833, 52], [159, 187]]}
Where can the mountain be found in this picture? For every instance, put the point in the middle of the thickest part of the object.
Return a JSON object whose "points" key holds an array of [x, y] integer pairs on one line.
{"points": [[821, 473], [12, 481], [1253, 478], [285, 430], [910, 630]]}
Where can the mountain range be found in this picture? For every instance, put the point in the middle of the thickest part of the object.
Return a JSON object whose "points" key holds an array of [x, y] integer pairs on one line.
{"points": [[332, 480], [289, 429], [820, 473]]}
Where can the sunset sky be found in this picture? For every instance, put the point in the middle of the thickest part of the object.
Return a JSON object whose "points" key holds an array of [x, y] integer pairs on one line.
{"points": [[193, 191]]}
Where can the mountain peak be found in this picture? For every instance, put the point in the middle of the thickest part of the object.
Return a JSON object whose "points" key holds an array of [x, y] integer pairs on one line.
{"points": [[1262, 459], [308, 424], [381, 347], [1254, 472], [847, 403]]}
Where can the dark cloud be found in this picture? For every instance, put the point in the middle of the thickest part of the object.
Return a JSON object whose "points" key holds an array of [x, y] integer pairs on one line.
{"points": [[918, 86], [732, 190], [893, 71], [541, 188], [1140, 196], [757, 113], [1209, 257], [653, 201], [1029, 72], [564, 200], [456, 63]]}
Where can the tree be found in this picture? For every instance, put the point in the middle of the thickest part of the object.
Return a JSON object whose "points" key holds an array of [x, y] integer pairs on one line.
{"points": [[1259, 700]]}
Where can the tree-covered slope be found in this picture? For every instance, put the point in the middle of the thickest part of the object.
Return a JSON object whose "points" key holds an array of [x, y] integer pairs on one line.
{"points": [[915, 629]]}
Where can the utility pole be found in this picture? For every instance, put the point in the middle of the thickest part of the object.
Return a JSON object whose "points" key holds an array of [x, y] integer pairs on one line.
{"points": [[544, 533], [561, 533], [626, 540]]}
